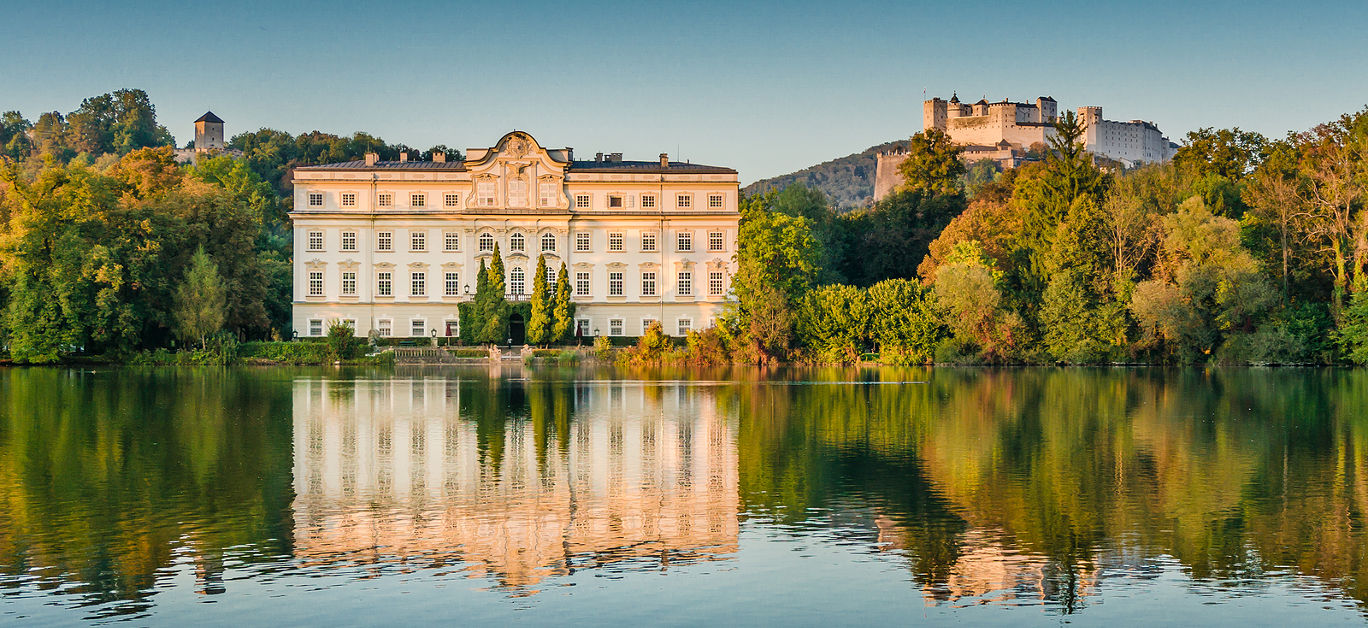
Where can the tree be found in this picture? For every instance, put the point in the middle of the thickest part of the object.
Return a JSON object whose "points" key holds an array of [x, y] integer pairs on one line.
{"points": [[1227, 153], [778, 261], [1334, 172], [540, 326], [200, 300], [968, 293], [492, 304], [564, 314], [833, 321], [903, 320], [1352, 334], [933, 165]]}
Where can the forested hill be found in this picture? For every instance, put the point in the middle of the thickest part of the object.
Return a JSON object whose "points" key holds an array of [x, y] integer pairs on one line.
{"points": [[847, 181]]}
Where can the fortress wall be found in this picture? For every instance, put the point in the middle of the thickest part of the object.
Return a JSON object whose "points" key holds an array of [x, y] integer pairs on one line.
{"points": [[886, 176]]}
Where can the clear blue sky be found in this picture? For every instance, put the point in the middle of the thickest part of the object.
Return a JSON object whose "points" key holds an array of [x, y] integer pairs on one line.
{"points": [[764, 87]]}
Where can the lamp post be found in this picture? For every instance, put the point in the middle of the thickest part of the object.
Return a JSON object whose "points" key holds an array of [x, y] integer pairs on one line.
{"points": [[434, 336]]}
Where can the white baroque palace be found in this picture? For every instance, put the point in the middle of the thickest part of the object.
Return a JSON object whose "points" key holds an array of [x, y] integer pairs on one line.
{"points": [[394, 246]]}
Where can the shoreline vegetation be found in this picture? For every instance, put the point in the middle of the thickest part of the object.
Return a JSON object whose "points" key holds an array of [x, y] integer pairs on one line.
{"points": [[1242, 250]]}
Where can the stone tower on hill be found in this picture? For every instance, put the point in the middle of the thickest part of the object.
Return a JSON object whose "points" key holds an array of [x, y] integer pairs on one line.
{"points": [[208, 133]]}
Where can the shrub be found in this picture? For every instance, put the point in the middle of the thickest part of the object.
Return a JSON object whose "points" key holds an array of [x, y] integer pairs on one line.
{"points": [[603, 348], [650, 348]]}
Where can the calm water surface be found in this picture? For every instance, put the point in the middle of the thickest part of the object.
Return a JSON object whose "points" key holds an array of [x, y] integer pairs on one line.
{"points": [[575, 495]]}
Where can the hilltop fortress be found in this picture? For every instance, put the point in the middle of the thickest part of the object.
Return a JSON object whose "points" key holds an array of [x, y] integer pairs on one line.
{"points": [[1006, 131]]}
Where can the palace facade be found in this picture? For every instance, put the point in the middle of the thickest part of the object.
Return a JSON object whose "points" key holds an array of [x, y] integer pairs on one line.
{"points": [[394, 246]]}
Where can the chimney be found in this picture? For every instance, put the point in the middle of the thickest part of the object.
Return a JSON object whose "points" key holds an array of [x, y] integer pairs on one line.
{"points": [[438, 157], [371, 158], [664, 160], [615, 157], [403, 156], [598, 156]]}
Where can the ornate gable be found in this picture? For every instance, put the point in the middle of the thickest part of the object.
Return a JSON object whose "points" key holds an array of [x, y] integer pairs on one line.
{"points": [[517, 173]]}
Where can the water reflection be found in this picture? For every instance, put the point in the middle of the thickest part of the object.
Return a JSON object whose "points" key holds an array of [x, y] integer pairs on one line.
{"points": [[515, 481], [130, 493]]}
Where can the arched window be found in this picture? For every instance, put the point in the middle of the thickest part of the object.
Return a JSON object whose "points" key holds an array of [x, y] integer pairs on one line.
{"points": [[486, 242], [515, 282], [515, 242], [548, 242]]}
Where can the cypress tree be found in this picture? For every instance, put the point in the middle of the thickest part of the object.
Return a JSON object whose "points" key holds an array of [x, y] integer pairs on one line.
{"points": [[563, 317], [493, 306], [540, 325]]}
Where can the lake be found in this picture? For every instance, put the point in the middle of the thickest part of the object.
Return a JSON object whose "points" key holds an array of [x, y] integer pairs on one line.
{"points": [[737, 496]]}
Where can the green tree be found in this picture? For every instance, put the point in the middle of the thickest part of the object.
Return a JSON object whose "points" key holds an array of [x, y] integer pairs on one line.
{"points": [[564, 315], [1352, 334], [492, 304], [903, 320], [933, 165], [541, 325], [200, 300], [778, 261], [1227, 153], [833, 321], [968, 291]]}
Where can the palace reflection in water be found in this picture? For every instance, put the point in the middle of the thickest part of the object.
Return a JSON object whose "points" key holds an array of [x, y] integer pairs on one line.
{"points": [[184, 494], [594, 474]]}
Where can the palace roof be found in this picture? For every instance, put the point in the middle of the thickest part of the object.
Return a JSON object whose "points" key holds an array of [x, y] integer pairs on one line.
{"points": [[646, 167]]}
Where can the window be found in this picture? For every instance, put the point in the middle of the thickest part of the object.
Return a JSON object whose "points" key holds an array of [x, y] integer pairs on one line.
{"points": [[450, 200], [615, 284], [684, 325], [582, 241], [582, 327], [683, 201], [648, 241], [551, 278], [384, 327], [384, 284], [417, 328], [615, 201], [714, 201], [516, 281], [315, 327], [581, 284], [614, 327], [615, 241], [349, 199], [548, 242], [547, 192], [384, 241], [351, 324], [648, 201], [581, 201], [349, 283], [315, 283], [453, 328], [452, 284], [486, 242], [418, 283], [646, 324], [684, 241], [417, 200], [684, 285], [715, 240], [315, 199], [315, 240], [417, 240], [485, 192], [516, 242], [385, 199], [348, 240], [451, 241], [648, 284], [715, 283]]}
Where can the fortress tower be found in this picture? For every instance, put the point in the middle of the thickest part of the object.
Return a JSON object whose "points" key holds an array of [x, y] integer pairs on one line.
{"points": [[208, 133]]}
